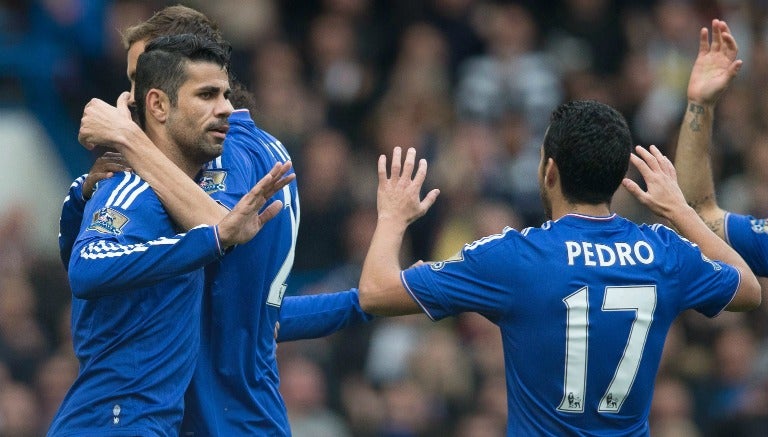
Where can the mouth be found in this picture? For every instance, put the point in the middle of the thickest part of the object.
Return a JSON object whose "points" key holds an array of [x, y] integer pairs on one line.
{"points": [[219, 131]]}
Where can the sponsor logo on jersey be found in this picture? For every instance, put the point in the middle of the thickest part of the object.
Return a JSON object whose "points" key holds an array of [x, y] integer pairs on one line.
{"points": [[108, 221], [759, 226], [212, 181]]}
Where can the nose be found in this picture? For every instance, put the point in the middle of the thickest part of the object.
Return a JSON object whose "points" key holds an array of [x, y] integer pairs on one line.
{"points": [[224, 108]]}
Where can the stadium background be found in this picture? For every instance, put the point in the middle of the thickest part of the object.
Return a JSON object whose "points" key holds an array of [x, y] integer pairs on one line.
{"points": [[470, 83]]}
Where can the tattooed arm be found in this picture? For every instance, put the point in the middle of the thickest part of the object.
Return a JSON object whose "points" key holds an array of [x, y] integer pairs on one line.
{"points": [[716, 65]]}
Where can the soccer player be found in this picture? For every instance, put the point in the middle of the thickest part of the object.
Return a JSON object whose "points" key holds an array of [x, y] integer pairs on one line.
{"points": [[136, 284], [585, 301], [716, 65], [235, 387]]}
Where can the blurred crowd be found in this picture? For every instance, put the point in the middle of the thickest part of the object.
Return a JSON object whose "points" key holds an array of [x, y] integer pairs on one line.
{"points": [[470, 84]]}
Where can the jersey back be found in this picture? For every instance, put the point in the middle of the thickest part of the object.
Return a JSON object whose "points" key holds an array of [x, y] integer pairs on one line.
{"points": [[584, 305], [235, 390]]}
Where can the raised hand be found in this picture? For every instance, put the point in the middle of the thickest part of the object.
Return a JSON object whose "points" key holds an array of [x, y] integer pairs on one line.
{"points": [[244, 221], [105, 125], [104, 167], [715, 65], [663, 195], [398, 196]]}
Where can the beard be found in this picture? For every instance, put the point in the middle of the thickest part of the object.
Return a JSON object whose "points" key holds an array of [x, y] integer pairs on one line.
{"points": [[545, 201], [196, 143]]}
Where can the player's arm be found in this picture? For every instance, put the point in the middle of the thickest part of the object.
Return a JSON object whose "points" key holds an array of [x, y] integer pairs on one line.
{"points": [[319, 315], [79, 192], [111, 254], [665, 199], [112, 126], [716, 65], [399, 204]]}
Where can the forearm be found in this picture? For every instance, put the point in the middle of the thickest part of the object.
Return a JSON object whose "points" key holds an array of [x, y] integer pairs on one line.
{"points": [[693, 162], [101, 267], [381, 290], [691, 227], [319, 315], [186, 203]]}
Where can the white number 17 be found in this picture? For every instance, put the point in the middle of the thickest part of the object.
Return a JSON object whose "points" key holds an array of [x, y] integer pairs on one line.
{"points": [[639, 298]]}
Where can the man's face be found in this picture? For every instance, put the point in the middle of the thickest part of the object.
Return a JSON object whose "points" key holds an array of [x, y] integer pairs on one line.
{"points": [[134, 51], [198, 121]]}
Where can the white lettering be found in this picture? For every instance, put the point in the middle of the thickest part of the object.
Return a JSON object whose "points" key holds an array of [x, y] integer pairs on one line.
{"points": [[573, 249], [588, 254], [649, 255], [593, 254], [624, 251], [602, 251]]}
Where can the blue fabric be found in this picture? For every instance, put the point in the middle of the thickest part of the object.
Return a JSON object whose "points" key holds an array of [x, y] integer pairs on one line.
{"points": [[137, 287], [588, 297]]}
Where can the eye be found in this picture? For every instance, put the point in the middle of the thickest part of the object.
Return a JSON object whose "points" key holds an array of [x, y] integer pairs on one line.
{"points": [[206, 95]]}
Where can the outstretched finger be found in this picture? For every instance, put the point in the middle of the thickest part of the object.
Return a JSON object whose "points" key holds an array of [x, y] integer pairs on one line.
{"points": [[421, 172], [663, 161], [382, 168], [647, 157], [410, 162], [429, 200], [634, 189], [703, 40], [717, 36], [396, 164], [641, 165], [271, 211]]}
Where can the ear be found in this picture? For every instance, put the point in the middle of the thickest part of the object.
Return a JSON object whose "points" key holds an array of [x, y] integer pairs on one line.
{"points": [[551, 173], [158, 105]]}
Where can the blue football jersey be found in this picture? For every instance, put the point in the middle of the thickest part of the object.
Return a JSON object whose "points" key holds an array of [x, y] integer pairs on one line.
{"points": [[137, 287], [71, 218], [235, 387], [584, 305], [749, 237]]}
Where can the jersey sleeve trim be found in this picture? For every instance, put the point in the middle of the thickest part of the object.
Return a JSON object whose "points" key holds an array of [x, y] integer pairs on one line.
{"points": [[413, 296], [733, 295]]}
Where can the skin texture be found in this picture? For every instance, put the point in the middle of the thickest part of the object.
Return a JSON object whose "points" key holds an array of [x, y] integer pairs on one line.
{"points": [[715, 67], [664, 197]]}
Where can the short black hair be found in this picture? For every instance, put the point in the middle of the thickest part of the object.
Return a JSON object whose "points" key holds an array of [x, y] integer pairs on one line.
{"points": [[591, 143], [163, 65]]}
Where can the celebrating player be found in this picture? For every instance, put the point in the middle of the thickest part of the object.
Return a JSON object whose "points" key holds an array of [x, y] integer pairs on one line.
{"points": [[136, 284], [585, 301]]}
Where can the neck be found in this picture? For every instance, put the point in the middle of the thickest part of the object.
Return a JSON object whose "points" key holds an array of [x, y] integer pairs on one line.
{"points": [[172, 151], [564, 208]]}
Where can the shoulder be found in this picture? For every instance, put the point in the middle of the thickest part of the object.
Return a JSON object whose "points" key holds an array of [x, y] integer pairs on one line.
{"points": [[123, 191], [120, 198], [245, 136]]}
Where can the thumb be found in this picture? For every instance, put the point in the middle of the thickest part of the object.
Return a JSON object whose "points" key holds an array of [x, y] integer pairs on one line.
{"points": [[122, 103]]}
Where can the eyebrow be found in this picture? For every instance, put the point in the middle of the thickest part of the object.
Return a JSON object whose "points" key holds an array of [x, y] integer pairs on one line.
{"points": [[214, 89]]}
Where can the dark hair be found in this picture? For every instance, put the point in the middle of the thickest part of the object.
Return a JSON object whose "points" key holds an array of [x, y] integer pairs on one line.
{"points": [[163, 65], [590, 142], [173, 20]]}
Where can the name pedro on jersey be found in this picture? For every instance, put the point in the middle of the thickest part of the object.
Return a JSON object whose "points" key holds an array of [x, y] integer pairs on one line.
{"points": [[602, 255]]}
